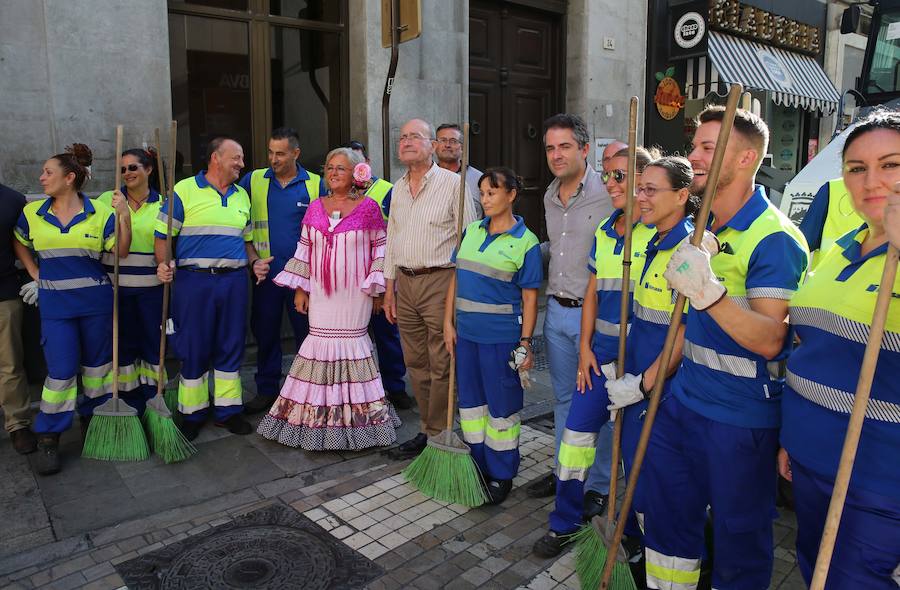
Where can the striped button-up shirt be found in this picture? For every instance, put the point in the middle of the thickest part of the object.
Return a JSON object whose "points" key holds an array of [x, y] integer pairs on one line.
{"points": [[422, 229], [571, 232]]}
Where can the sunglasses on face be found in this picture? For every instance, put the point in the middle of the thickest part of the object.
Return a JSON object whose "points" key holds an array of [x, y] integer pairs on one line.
{"points": [[618, 175], [131, 168]]}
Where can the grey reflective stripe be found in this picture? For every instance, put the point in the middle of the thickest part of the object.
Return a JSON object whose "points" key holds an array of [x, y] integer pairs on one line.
{"points": [[64, 252], [608, 328], [231, 375], [101, 371], [138, 280], [727, 363], [176, 225], [571, 473], [741, 302], [212, 262], [840, 326], [59, 384], [260, 225], [260, 245], [66, 284], [484, 270], [95, 392], [612, 285], [574, 438], [183, 409], [227, 401], [478, 307], [475, 413], [199, 382], [133, 260], [842, 401], [247, 230], [654, 316], [211, 230], [63, 406], [504, 423], [770, 293]]}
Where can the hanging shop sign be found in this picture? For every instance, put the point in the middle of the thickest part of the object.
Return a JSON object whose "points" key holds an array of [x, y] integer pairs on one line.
{"points": [[688, 29], [739, 19], [668, 99]]}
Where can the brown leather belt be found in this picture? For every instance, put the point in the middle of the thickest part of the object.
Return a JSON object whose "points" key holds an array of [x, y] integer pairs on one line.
{"points": [[567, 302], [414, 272]]}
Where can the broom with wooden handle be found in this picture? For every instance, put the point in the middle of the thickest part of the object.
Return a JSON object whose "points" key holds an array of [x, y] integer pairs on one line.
{"points": [[115, 432], [164, 436], [857, 415], [445, 470], [734, 95], [592, 539]]}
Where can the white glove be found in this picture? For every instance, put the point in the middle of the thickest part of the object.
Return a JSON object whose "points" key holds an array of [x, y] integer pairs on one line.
{"points": [[689, 273], [609, 370], [624, 391], [29, 293]]}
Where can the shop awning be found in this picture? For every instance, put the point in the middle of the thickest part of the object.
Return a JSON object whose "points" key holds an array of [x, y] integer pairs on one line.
{"points": [[793, 79]]}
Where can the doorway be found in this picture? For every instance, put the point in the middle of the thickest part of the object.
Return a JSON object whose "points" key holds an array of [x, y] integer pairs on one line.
{"points": [[516, 69]]}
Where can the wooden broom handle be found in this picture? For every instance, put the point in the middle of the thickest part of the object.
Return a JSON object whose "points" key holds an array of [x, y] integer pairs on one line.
{"points": [[624, 307], [115, 314], [460, 214], [166, 183], [854, 427], [734, 95]]}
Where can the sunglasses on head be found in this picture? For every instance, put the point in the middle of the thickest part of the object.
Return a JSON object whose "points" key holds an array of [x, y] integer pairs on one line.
{"points": [[618, 175], [131, 168]]}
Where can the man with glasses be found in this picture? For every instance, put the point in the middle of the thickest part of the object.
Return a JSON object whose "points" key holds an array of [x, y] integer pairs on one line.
{"points": [[449, 157], [421, 238]]}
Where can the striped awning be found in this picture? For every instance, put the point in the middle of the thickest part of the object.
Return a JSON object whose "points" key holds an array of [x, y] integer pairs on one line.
{"points": [[794, 80]]}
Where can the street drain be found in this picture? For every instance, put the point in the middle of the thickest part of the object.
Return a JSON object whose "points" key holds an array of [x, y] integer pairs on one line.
{"points": [[272, 547]]}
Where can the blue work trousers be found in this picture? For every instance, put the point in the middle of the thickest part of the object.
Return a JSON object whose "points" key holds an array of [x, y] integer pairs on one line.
{"points": [[72, 346], [490, 399], [269, 302], [140, 317], [209, 313], [390, 354], [867, 550], [562, 329], [693, 462]]}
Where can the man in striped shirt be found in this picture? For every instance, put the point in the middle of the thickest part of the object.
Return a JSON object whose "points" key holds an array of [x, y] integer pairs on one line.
{"points": [[421, 238]]}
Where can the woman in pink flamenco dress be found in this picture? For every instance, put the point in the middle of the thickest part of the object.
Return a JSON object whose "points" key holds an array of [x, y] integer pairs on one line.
{"points": [[333, 398]]}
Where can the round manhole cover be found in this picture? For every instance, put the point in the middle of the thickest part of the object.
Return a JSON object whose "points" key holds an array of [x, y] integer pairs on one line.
{"points": [[254, 557]]}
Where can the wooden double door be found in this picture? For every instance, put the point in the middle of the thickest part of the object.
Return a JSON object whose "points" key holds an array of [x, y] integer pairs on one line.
{"points": [[516, 68]]}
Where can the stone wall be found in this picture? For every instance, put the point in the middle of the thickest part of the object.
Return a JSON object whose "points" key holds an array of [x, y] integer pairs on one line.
{"points": [[70, 71]]}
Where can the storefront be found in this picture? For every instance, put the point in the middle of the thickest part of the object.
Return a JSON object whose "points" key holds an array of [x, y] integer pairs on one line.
{"points": [[714, 43]]}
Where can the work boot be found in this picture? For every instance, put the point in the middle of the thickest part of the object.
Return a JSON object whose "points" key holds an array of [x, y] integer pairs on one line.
{"points": [[400, 400], [498, 490], [542, 488], [46, 462], [190, 428], [85, 423], [594, 505], [236, 425], [260, 403], [23, 441], [551, 544], [411, 448]]}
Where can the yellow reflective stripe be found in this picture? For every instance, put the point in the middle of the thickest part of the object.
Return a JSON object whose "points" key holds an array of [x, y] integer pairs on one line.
{"points": [[56, 391], [148, 373], [129, 379], [227, 387], [193, 394], [671, 573]]}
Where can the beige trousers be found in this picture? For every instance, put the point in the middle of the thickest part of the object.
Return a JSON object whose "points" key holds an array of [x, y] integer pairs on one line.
{"points": [[13, 384]]}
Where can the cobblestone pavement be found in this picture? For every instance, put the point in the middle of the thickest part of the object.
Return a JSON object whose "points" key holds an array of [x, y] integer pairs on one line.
{"points": [[71, 530]]}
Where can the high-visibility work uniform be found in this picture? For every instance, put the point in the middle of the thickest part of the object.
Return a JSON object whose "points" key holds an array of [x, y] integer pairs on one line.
{"points": [[832, 314], [491, 271], [210, 293], [830, 216], [714, 441], [588, 413], [140, 304], [276, 213], [75, 296], [386, 335]]}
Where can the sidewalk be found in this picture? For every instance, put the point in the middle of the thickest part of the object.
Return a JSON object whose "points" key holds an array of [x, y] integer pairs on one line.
{"points": [[246, 512]]}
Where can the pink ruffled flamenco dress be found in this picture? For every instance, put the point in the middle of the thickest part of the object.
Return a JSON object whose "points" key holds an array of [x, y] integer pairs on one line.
{"points": [[333, 398]]}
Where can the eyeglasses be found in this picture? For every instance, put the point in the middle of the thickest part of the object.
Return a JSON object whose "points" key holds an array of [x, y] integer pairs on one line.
{"points": [[449, 141], [338, 169], [413, 137], [652, 190], [131, 168], [618, 175]]}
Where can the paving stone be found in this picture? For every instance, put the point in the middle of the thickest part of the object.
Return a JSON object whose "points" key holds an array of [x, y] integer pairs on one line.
{"points": [[477, 576], [465, 560], [480, 550], [373, 550], [409, 550], [495, 564], [455, 546], [498, 540], [460, 584], [132, 544], [402, 576], [111, 582], [74, 580], [342, 532], [508, 579], [358, 540], [124, 557], [428, 560], [98, 571]]}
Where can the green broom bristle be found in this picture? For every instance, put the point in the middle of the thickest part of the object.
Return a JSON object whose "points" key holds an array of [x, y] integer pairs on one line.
{"points": [[115, 438], [590, 558], [447, 476], [165, 438], [171, 397]]}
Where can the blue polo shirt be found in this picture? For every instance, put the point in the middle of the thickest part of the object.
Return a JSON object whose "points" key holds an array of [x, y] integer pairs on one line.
{"points": [[764, 256], [605, 263], [491, 271], [72, 281], [832, 313], [287, 206]]}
